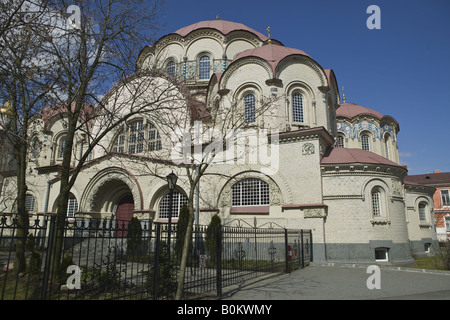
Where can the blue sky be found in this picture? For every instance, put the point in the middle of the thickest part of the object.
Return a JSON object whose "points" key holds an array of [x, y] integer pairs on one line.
{"points": [[401, 70]]}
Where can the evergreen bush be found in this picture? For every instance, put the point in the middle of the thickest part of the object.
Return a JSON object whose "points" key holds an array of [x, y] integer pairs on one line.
{"points": [[211, 236]]}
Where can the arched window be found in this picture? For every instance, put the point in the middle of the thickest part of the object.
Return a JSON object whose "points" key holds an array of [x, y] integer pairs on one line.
{"points": [[119, 143], [250, 192], [376, 202], [178, 201], [297, 107], [365, 142], [387, 141], [72, 206], [154, 139], [423, 211], [249, 108], [35, 148], [29, 203], [204, 66], [170, 69], [136, 139], [61, 146]]}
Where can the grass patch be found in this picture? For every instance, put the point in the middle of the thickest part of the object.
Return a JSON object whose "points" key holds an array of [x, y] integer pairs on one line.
{"points": [[428, 263]]}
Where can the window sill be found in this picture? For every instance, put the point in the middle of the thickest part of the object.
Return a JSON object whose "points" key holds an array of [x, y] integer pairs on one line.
{"points": [[250, 210]]}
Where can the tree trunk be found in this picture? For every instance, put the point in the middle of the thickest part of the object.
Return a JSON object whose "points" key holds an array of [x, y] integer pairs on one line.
{"points": [[22, 214], [184, 256], [63, 198]]}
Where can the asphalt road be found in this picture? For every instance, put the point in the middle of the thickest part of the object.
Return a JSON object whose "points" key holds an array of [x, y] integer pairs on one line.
{"points": [[349, 283]]}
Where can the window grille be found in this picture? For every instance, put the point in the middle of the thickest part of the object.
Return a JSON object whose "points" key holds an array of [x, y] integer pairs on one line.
{"points": [[35, 149], [250, 192], [204, 68], [422, 207], [29, 203], [340, 141], [72, 207], [154, 139], [119, 144], [365, 142], [297, 107], [62, 146], [136, 142], [171, 69], [376, 209], [164, 206], [249, 108]]}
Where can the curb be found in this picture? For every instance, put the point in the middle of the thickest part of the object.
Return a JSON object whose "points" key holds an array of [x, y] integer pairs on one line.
{"points": [[392, 268]]}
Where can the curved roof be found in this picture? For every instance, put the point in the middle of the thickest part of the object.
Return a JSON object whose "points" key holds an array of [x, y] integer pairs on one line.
{"points": [[271, 53], [351, 110], [350, 155], [223, 26], [86, 113]]}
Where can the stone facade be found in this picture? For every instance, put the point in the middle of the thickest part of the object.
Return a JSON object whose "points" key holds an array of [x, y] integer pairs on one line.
{"points": [[355, 201]]}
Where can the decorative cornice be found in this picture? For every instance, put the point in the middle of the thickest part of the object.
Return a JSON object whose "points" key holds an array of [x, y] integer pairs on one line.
{"points": [[420, 188], [323, 89], [274, 82], [380, 222], [303, 206], [362, 169], [305, 134]]}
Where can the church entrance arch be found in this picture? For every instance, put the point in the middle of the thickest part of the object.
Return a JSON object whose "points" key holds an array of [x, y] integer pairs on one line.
{"points": [[107, 188]]}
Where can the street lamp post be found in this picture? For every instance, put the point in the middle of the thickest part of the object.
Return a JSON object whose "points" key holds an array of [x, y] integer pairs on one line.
{"points": [[172, 182]]}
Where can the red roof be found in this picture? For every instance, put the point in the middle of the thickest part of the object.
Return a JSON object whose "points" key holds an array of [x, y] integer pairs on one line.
{"points": [[223, 26], [86, 113], [271, 53], [429, 178], [351, 110], [349, 155]]}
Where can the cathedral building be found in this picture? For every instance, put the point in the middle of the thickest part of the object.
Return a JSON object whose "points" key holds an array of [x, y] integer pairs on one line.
{"points": [[334, 166]]}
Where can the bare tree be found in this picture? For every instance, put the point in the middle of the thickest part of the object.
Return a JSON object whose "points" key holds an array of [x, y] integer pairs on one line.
{"points": [[99, 40], [204, 139], [26, 77]]}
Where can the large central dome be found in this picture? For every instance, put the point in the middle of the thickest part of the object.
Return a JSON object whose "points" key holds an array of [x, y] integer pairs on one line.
{"points": [[223, 26]]}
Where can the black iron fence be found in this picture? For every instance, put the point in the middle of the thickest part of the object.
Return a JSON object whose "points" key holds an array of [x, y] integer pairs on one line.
{"points": [[108, 259]]}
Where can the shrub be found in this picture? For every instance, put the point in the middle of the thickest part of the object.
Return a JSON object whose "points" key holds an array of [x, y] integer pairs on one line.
{"points": [[134, 237], [35, 262], [211, 236], [182, 224]]}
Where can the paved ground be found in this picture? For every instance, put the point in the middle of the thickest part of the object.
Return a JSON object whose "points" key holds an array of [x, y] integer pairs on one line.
{"points": [[326, 282]]}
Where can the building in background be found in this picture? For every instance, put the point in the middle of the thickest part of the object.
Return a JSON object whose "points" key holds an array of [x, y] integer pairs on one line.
{"points": [[440, 181], [337, 171]]}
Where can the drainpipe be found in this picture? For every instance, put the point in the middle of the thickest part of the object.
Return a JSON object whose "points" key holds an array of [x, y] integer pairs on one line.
{"points": [[197, 169], [47, 196], [197, 186]]}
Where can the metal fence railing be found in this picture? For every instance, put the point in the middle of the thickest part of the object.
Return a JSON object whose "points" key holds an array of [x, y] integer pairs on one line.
{"points": [[108, 259]]}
